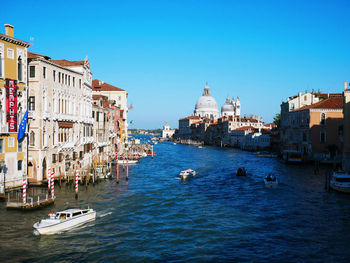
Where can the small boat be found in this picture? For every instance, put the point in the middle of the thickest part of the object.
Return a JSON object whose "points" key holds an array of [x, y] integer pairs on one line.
{"points": [[340, 181], [150, 153], [186, 173], [130, 161], [64, 220], [270, 180], [200, 147], [174, 143], [241, 172]]}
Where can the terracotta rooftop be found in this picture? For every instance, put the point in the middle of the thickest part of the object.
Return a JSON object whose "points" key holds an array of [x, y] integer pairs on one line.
{"points": [[191, 118], [98, 85], [32, 55], [95, 97], [245, 128], [67, 63], [334, 103]]}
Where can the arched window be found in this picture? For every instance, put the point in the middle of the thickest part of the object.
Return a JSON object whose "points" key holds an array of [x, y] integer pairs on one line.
{"points": [[19, 69], [32, 138]]}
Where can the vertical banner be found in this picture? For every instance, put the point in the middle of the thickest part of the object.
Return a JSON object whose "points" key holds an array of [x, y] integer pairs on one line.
{"points": [[11, 104]]}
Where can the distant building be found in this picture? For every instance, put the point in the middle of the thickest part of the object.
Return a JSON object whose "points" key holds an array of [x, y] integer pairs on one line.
{"points": [[312, 131], [117, 95], [167, 132]]}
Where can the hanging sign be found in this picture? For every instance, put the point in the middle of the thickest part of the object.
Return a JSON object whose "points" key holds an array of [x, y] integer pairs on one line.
{"points": [[11, 104]]}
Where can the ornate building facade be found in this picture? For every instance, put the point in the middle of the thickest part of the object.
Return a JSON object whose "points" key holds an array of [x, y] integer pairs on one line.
{"points": [[60, 121], [13, 101]]}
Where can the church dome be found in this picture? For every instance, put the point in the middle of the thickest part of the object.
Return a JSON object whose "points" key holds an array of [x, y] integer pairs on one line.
{"points": [[206, 105], [227, 107], [206, 102]]}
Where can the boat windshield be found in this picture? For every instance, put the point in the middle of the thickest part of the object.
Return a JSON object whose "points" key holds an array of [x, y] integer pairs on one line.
{"points": [[63, 216], [342, 180]]}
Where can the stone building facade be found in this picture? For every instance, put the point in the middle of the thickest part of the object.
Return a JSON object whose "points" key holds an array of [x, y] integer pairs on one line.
{"points": [[60, 121]]}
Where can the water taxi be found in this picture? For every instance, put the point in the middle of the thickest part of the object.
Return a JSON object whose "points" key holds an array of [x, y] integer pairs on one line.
{"points": [[340, 181], [270, 181], [64, 220], [186, 173], [130, 161]]}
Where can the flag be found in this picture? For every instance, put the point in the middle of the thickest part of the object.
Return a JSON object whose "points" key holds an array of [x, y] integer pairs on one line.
{"points": [[22, 127], [130, 108], [131, 121]]}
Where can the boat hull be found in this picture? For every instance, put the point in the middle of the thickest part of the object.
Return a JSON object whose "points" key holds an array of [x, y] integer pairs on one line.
{"points": [[65, 225], [340, 188]]}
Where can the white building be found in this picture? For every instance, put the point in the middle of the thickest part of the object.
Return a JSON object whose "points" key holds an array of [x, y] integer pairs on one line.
{"points": [[167, 132], [60, 121]]}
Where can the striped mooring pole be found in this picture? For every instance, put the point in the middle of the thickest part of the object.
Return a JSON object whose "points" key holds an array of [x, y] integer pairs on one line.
{"points": [[52, 184], [24, 190], [48, 178], [117, 167], [127, 165], [76, 184]]}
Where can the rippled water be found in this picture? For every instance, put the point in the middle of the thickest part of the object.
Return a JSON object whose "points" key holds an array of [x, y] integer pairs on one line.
{"points": [[213, 217]]}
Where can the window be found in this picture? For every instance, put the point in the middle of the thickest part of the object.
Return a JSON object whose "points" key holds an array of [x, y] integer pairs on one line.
{"points": [[1, 145], [80, 83], [32, 71], [323, 118], [31, 103], [73, 81], [97, 116], [19, 69], [93, 114], [19, 165], [54, 75], [59, 77], [44, 72], [19, 146], [32, 139], [322, 136], [305, 98]]}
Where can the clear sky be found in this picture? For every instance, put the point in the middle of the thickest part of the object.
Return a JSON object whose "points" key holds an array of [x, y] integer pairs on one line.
{"points": [[163, 52]]}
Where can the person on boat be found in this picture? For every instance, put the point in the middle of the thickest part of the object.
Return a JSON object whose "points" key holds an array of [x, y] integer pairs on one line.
{"points": [[241, 172]]}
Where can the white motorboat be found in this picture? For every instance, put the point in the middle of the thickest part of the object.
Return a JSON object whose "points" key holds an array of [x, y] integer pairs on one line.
{"points": [[340, 181], [174, 143], [129, 161], [270, 180], [64, 220], [186, 173]]}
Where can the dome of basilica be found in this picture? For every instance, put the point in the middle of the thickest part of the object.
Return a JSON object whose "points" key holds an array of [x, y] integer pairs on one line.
{"points": [[206, 105], [227, 107]]}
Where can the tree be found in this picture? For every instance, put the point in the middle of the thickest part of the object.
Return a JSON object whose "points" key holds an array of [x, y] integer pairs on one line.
{"points": [[277, 119]]}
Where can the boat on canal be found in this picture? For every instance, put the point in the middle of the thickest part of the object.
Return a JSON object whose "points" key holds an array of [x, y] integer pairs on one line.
{"points": [[270, 180], [64, 220], [340, 181], [130, 161], [184, 174]]}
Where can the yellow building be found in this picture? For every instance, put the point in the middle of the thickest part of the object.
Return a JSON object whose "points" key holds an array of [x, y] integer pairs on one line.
{"points": [[13, 104]]}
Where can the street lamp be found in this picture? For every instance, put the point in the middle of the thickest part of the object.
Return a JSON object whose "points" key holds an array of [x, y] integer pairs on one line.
{"points": [[2, 169]]}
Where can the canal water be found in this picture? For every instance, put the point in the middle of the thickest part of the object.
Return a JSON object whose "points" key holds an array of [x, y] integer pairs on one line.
{"points": [[214, 217]]}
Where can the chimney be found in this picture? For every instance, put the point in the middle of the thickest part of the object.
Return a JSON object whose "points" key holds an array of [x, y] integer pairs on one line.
{"points": [[9, 30], [346, 85]]}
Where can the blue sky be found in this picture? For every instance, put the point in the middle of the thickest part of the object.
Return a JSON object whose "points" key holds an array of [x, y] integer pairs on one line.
{"points": [[163, 52]]}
